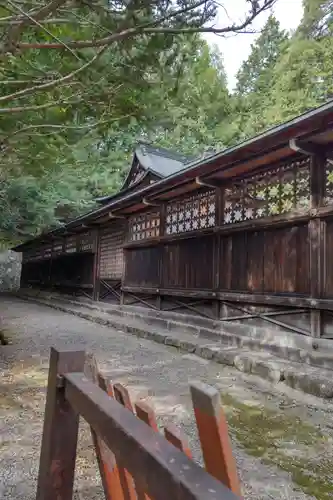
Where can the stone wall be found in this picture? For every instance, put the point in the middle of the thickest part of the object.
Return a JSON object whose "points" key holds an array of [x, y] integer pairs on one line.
{"points": [[10, 270]]}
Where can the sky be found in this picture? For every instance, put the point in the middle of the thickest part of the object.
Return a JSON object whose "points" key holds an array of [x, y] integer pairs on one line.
{"points": [[236, 48]]}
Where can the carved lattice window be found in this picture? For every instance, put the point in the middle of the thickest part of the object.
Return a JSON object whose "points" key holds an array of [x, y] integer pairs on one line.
{"points": [[273, 192], [46, 251], [86, 242], [191, 214], [329, 183], [144, 226], [58, 247], [111, 254], [70, 244]]}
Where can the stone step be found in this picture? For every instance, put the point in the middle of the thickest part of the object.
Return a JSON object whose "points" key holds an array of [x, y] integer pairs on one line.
{"points": [[291, 346], [315, 381]]}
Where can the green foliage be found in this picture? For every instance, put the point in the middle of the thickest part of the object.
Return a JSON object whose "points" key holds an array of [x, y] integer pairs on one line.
{"points": [[255, 78], [317, 19], [63, 147], [254, 74]]}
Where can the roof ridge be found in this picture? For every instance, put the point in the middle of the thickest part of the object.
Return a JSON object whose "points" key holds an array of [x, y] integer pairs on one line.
{"points": [[162, 151]]}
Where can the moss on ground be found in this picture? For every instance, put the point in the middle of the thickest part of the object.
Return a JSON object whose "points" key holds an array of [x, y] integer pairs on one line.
{"points": [[284, 441]]}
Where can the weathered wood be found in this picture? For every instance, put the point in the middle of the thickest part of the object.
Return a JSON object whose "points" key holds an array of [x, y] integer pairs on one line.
{"points": [[119, 482], [217, 248], [121, 395], [269, 319], [154, 463], [315, 248], [253, 315], [189, 266], [214, 437], [96, 266], [316, 239], [142, 266], [175, 437], [251, 298], [144, 299], [61, 423], [110, 289], [105, 458], [146, 414], [111, 259], [132, 487]]}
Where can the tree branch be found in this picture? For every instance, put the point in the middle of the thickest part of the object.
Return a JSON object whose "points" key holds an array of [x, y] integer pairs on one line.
{"points": [[34, 21], [53, 83], [38, 15], [37, 107], [37, 126], [114, 37], [81, 44], [4, 21]]}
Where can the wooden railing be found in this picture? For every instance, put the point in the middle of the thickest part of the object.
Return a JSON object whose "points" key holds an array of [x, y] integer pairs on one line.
{"points": [[135, 460]]}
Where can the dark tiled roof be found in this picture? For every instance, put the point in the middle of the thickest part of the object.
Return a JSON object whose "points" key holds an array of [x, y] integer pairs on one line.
{"points": [[159, 160]]}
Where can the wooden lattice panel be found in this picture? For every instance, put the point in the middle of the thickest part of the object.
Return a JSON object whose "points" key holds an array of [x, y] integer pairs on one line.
{"points": [[191, 214], [46, 251], [58, 247], [111, 254], [144, 226], [273, 192], [86, 241], [329, 183], [70, 244], [38, 253]]}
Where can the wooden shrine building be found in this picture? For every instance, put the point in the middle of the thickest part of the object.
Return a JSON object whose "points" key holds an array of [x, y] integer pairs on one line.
{"points": [[245, 233]]}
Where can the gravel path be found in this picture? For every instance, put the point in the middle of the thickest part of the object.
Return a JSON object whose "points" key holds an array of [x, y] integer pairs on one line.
{"points": [[151, 371]]}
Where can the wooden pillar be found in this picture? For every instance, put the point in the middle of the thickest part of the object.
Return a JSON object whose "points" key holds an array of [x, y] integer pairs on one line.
{"points": [[61, 424], [161, 255], [217, 249], [316, 229], [96, 281]]}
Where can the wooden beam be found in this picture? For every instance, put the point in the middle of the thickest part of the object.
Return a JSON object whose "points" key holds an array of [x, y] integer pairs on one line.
{"points": [[316, 228], [149, 203], [211, 183], [96, 266], [293, 301], [219, 207], [309, 148]]}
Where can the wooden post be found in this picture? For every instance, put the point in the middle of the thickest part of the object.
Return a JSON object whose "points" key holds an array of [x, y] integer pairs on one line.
{"points": [[61, 424], [161, 247], [96, 281], [316, 230], [214, 437], [217, 249]]}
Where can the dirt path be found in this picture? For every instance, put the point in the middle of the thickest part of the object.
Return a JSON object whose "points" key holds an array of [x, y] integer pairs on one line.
{"points": [[282, 440]]}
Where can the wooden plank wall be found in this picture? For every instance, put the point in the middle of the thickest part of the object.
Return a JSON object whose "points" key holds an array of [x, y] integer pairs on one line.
{"points": [[267, 261], [188, 264], [142, 266], [277, 249], [111, 256]]}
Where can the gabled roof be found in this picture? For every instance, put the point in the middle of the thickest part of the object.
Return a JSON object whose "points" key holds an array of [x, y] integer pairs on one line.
{"points": [[160, 161]]}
